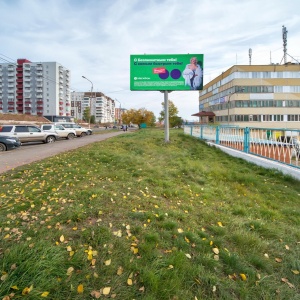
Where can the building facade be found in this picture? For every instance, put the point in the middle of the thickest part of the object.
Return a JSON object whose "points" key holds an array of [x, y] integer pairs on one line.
{"points": [[35, 88], [253, 96], [102, 107]]}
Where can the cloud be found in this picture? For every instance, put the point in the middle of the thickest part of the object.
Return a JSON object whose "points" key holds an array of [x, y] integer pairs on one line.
{"points": [[95, 38]]}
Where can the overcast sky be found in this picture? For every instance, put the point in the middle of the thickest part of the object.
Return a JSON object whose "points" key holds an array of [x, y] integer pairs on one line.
{"points": [[95, 38]]}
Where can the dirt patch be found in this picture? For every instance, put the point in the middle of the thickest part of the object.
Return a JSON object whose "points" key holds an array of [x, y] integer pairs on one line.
{"points": [[22, 119]]}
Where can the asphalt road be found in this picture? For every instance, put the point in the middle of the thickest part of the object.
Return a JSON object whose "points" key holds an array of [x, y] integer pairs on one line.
{"points": [[30, 152]]}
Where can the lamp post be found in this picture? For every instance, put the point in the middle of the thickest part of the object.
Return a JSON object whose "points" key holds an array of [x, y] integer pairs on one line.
{"points": [[119, 112], [90, 100]]}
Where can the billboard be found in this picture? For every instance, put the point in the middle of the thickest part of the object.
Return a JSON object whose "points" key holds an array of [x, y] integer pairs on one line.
{"points": [[166, 72]]}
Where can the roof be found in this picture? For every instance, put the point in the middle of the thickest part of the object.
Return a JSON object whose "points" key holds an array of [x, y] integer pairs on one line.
{"points": [[204, 114]]}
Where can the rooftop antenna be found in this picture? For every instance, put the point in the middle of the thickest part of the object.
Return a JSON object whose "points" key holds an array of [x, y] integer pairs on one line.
{"points": [[250, 55], [284, 37]]}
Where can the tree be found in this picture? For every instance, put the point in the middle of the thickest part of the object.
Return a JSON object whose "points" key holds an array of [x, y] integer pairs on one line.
{"points": [[138, 117], [174, 119], [86, 114]]}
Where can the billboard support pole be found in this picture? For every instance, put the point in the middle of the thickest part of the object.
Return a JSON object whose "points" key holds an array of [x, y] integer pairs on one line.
{"points": [[166, 116]]}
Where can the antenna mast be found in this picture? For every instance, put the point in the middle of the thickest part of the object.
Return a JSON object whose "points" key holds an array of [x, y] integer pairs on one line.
{"points": [[284, 37], [250, 55]]}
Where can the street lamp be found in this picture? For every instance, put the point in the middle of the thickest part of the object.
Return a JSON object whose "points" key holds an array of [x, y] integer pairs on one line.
{"points": [[90, 100], [119, 112], [228, 104]]}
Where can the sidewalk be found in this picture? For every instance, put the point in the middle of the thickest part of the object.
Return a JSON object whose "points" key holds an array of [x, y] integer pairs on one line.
{"points": [[31, 153]]}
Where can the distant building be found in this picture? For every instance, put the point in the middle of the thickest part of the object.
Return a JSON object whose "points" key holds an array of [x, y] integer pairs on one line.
{"points": [[253, 96], [102, 107], [35, 88]]}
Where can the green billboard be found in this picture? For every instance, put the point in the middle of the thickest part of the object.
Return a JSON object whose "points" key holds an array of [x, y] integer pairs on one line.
{"points": [[166, 72]]}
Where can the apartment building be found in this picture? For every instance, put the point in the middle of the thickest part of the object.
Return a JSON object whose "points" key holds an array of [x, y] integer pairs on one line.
{"points": [[34, 88], [265, 96], [102, 107]]}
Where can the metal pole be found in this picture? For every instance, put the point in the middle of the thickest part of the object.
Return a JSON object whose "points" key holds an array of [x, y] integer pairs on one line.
{"points": [[120, 114], [166, 116], [90, 104]]}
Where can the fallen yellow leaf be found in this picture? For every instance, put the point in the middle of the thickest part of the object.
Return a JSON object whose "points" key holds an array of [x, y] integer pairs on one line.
{"points": [[120, 271], [129, 281], [106, 291], [62, 238], [70, 270], [45, 294], [107, 262], [296, 272], [244, 277], [180, 230], [216, 250], [80, 289]]}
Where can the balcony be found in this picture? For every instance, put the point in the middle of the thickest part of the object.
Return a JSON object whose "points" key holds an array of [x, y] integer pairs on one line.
{"points": [[20, 86], [19, 102], [19, 97], [40, 102]]}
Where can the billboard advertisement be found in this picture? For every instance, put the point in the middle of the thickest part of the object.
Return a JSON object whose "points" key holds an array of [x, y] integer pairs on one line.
{"points": [[166, 72]]}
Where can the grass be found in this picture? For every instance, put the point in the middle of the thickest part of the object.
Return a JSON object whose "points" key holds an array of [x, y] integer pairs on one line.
{"points": [[134, 217]]}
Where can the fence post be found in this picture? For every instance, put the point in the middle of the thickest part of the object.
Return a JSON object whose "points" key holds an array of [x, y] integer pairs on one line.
{"points": [[201, 132], [246, 139], [217, 135], [191, 130]]}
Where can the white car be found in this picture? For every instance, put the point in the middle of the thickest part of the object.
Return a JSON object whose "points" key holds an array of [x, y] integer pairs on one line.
{"points": [[28, 133], [80, 131], [62, 132]]}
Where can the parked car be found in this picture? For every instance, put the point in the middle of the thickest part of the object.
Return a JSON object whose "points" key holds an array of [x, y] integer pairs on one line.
{"points": [[9, 143], [80, 131], [61, 131], [28, 133]]}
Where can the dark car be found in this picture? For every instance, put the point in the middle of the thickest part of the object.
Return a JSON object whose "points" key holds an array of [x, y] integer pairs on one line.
{"points": [[9, 143]]}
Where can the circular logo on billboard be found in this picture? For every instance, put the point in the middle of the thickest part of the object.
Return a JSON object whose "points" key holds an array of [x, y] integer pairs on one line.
{"points": [[164, 75], [175, 74]]}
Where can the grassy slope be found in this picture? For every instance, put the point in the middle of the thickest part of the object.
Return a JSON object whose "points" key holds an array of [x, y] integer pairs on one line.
{"points": [[149, 220]]}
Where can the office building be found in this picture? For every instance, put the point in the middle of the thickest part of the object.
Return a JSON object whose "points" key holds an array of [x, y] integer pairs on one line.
{"points": [[265, 96]]}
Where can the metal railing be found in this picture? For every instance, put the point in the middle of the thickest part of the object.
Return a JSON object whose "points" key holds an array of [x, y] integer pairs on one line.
{"points": [[282, 145]]}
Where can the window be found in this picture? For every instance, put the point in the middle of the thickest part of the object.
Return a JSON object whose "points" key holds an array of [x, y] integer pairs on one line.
{"points": [[21, 129], [6, 129], [33, 129]]}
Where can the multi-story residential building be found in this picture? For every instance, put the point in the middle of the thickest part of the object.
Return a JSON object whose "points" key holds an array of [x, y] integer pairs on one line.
{"points": [[35, 88], [253, 96], [102, 107]]}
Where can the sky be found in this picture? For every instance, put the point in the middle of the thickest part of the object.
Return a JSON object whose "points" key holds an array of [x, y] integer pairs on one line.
{"points": [[95, 38]]}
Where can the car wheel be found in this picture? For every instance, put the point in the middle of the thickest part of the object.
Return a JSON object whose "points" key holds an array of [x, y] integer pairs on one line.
{"points": [[50, 139], [70, 136], [83, 134], [89, 132], [2, 147]]}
